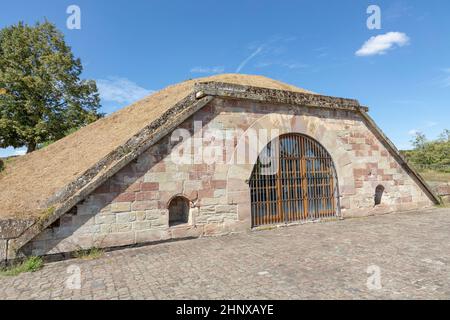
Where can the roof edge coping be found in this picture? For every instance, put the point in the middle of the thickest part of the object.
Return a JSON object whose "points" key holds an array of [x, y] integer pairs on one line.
{"points": [[236, 91]]}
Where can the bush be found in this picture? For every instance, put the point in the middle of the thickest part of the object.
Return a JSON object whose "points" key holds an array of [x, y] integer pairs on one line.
{"points": [[430, 155], [32, 264]]}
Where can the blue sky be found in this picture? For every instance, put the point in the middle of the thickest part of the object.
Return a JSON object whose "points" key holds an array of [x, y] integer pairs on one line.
{"points": [[134, 47]]}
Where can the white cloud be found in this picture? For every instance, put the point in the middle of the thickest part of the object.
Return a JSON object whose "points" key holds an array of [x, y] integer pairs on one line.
{"points": [[120, 90], [382, 43], [270, 53], [413, 132], [216, 69]]}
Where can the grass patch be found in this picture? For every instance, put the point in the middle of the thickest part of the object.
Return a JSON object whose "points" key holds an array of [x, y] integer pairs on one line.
{"points": [[435, 176], [6, 161], [89, 254], [32, 264]]}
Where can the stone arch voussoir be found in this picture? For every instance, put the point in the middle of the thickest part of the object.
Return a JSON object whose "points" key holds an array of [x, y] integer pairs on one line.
{"points": [[280, 124]]}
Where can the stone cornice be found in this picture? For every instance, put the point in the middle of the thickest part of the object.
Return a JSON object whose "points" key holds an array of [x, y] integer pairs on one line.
{"points": [[234, 91]]}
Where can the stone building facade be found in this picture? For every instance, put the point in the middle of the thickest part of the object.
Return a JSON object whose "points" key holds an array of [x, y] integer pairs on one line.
{"points": [[132, 206]]}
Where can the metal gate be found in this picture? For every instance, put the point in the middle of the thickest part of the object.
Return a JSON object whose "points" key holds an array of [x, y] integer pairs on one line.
{"points": [[295, 180]]}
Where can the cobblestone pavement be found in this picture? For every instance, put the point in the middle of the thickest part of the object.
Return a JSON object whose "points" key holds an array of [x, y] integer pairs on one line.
{"points": [[318, 260]]}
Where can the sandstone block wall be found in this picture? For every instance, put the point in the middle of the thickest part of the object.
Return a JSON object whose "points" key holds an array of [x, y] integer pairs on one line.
{"points": [[132, 206]]}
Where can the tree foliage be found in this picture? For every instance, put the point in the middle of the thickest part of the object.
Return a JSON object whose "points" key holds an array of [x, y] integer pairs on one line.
{"points": [[431, 154], [42, 97]]}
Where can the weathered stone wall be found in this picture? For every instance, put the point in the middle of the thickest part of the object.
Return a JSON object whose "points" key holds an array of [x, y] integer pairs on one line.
{"points": [[443, 190], [3, 251], [131, 207]]}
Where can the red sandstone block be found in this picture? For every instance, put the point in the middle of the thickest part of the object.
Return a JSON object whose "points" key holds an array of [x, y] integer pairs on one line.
{"points": [[149, 186], [359, 184], [219, 184], [372, 165], [206, 193], [195, 175], [360, 172], [135, 187], [384, 153], [104, 188], [125, 197], [357, 147], [206, 110], [393, 165], [387, 177]]}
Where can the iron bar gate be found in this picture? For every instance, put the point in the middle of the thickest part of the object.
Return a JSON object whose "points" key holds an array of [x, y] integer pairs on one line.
{"points": [[301, 184]]}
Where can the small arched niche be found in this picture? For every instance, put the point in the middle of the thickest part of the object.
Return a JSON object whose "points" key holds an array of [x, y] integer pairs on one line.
{"points": [[378, 194], [178, 211]]}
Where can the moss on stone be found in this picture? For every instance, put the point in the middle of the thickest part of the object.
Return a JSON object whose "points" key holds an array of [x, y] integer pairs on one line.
{"points": [[46, 214]]}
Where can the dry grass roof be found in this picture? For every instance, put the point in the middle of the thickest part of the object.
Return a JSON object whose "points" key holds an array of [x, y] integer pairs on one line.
{"points": [[29, 181]]}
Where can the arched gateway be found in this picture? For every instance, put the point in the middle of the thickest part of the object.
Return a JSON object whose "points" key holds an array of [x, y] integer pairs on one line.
{"points": [[294, 179]]}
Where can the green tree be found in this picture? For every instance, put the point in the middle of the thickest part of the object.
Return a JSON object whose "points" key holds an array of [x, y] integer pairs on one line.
{"points": [[445, 136], [431, 154], [42, 97], [419, 141]]}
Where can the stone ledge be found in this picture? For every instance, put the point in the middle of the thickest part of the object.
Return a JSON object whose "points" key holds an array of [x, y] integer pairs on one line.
{"points": [[13, 228], [3, 252], [227, 90]]}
